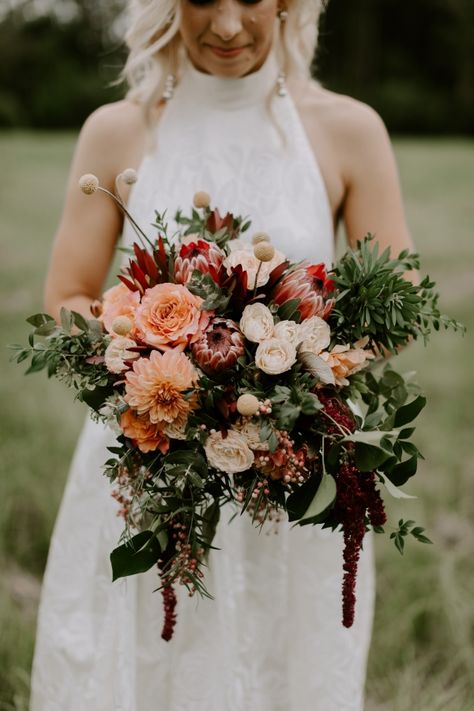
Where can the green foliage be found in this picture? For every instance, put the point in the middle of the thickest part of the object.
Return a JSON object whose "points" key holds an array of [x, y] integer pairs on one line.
{"points": [[376, 300]]}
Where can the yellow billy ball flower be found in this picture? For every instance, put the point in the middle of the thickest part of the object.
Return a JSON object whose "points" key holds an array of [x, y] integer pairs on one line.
{"points": [[89, 183], [247, 405], [122, 325], [264, 251], [201, 199], [260, 237]]}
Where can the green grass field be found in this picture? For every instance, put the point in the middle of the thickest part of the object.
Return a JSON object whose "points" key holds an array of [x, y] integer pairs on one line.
{"points": [[421, 657]]}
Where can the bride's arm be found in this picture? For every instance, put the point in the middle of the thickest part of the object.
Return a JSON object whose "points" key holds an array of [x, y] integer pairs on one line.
{"points": [[373, 201], [84, 243]]}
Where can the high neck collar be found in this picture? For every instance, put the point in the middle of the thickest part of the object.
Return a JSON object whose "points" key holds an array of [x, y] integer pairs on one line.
{"points": [[229, 92]]}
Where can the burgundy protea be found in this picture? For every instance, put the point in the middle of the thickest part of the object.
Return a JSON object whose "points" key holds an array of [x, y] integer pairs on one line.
{"points": [[219, 347], [198, 254], [311, 286]]}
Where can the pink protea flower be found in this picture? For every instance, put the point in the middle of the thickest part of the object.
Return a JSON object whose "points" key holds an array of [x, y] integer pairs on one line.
{"points": [[219, 346], [198, 254], [309, 284]]}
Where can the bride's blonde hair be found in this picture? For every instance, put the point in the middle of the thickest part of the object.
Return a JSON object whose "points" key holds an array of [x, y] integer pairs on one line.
{"points": [[156, 49]]}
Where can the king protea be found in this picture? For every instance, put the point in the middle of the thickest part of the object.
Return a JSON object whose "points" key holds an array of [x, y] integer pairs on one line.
{"points": [[219, 347]]}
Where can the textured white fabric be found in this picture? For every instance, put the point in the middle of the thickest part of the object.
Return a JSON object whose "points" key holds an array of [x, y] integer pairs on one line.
{"points": [[272, 639]]}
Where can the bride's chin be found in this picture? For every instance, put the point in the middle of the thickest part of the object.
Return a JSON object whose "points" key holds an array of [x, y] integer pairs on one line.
{"points": [[232, 65]]}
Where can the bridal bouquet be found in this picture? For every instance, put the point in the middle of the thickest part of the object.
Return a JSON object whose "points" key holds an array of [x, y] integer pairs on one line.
{"points": [[230, 374]]}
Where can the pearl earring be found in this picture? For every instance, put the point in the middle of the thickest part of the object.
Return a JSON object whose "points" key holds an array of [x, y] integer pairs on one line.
{"points": [[170, 84], [281, 81], [281, 84]]}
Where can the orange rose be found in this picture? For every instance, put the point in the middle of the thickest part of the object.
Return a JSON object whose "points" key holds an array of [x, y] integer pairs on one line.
{"points": [[118, 301], [145, 435], [170, 317]]}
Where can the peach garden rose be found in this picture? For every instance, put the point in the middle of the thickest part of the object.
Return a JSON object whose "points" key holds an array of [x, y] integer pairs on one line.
{"points": [[119, 301], [170, 316]]}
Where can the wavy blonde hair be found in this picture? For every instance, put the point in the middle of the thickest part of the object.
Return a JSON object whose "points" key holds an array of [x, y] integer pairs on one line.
{"points": [[156, 49]]}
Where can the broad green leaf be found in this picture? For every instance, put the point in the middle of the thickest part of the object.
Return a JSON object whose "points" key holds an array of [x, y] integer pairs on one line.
{"points": [[289, 310], [322, 500], [400, 473], [368, 457], [394, 490], [372, 437], [136, 556], [407, 413]]}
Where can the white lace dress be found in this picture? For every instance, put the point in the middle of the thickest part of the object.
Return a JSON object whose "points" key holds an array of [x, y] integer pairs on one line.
{"points": [[272, 639]]}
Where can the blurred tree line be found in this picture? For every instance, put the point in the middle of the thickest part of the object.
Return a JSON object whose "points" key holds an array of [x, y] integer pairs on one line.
{"points": [[413, 62]]}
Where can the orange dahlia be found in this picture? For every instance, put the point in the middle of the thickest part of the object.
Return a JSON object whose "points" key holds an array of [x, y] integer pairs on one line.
{"points": [[143, 433], [157, 387]]}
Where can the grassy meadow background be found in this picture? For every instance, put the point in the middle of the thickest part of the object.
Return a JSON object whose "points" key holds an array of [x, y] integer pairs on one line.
{"points": [[422, 653]]}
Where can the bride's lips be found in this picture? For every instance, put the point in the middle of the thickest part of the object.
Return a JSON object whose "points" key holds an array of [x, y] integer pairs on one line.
{"points": [[226, 53]]}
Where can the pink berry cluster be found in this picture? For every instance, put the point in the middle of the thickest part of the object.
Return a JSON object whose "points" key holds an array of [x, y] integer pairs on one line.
{"points": [[127, 485], [259, 507], [286, 462], [185, 561]]}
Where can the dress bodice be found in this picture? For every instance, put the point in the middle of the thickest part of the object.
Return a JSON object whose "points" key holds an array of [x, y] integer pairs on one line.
{"points": [[246, 146]]}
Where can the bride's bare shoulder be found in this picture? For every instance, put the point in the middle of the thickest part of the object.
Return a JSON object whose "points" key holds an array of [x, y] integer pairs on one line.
{"points": [[113, 137], [341, 118]]}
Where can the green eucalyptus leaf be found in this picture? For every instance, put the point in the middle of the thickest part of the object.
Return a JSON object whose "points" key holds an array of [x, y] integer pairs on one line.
{"points": [[39, 319]]}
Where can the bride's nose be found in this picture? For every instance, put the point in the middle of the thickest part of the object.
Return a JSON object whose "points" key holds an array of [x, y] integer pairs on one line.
{"points": [[227, 20]]}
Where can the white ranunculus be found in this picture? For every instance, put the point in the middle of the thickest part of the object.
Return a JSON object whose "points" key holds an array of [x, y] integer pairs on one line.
{"points": [[315, 335], [117, 352], [251, 431], [257, 323], [230, 454], [251, 265], [275, 356], [288, 330]]}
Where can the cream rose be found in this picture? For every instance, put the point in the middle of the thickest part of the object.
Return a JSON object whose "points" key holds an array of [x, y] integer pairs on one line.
{"points": [[251, 431], [249, 262], [257, 323], [275, 356], [315, 335], [117, 352], [288, 331], [230, 454]]}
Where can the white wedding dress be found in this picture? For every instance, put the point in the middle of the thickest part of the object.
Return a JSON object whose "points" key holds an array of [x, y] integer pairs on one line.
{"points": [[272, 639]]}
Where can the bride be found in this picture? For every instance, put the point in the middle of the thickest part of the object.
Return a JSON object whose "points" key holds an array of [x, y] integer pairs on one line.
{"points": [[220, 100]]}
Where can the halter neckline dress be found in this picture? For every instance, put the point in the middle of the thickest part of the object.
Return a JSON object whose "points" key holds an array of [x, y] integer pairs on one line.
{"points": [[272, 639]]}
